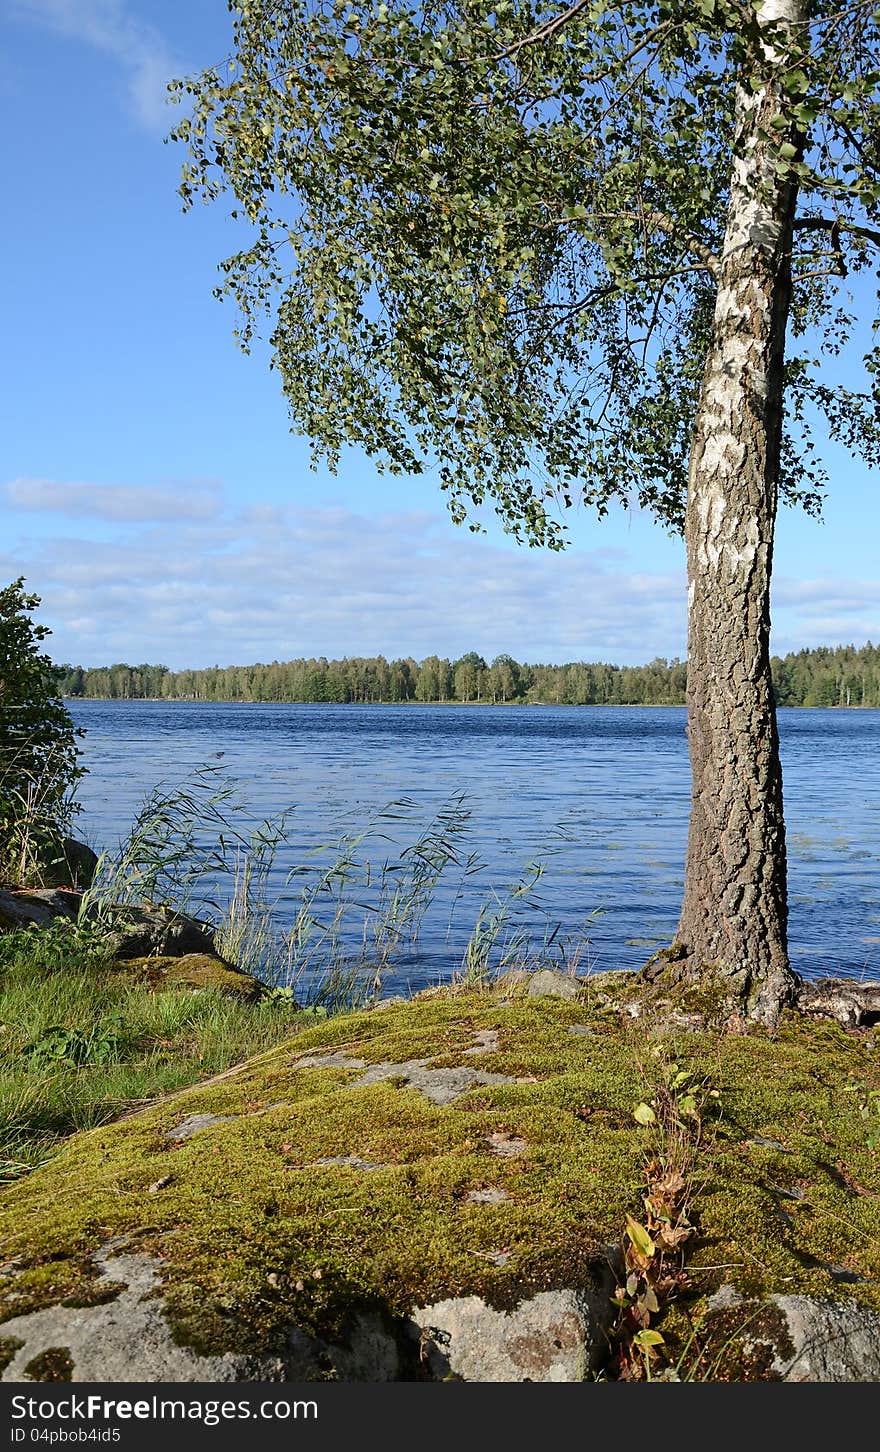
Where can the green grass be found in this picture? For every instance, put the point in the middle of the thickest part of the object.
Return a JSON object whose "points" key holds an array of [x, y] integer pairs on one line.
{"points": [[82, 1041]]}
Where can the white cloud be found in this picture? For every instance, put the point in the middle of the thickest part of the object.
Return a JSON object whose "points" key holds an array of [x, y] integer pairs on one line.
{"points": [[276, 584], [188, 584], [117, 502], [107, 26], [820, 596]]}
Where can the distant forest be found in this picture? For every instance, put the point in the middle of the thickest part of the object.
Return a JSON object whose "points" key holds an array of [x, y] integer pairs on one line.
{"points": [[843, 676]]}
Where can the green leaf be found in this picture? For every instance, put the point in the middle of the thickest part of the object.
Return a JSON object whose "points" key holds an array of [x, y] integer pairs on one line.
{"points": [[644, 1114], [640, 1238], [646, 1338], [796, 82]]}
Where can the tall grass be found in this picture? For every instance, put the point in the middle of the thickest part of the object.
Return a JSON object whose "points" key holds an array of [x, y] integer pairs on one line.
{"points": [[34, 819], [353, 918], [180, 841], [82, 1040], [333, 928]]}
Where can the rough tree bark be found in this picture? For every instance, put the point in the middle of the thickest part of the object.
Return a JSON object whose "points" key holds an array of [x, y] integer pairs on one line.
{"points": [[734, 913]]}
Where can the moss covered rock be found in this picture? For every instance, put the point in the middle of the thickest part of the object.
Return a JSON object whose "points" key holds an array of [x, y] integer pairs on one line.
{"points": [[195, 970], [315, 1211]]}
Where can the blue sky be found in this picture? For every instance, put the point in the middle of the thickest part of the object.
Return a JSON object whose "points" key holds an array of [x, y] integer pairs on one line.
{"points": [[150, 489]]}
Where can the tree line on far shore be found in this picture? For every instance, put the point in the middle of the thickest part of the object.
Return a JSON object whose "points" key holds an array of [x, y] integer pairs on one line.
{"points": [[840, 676]]}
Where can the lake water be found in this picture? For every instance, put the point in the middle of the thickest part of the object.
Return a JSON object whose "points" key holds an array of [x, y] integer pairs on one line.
{"points": [[598, 795]]}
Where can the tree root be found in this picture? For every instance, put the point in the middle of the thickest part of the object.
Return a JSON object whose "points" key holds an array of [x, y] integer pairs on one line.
{"points": [[853, 1004]]}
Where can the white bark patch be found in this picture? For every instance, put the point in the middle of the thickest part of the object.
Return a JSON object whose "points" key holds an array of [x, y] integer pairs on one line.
{"points": [[743, 558], [710, 509], [772, 11]]}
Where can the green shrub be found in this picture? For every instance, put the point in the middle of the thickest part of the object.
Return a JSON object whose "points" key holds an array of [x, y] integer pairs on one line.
{"points": [[39, 757]]}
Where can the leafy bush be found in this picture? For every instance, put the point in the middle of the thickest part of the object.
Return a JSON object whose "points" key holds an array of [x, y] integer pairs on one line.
{"points": [[39, 757], [99, 1044]]}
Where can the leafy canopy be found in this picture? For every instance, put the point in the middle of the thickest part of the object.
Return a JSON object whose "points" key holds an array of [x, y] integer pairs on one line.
{"points": [[488, 233]]}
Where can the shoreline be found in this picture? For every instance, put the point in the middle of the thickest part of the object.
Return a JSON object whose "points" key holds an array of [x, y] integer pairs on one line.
{"points": [[500, 705]]}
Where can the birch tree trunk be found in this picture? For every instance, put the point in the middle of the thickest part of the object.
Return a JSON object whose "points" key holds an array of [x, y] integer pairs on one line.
{"points": [[734, 914]]}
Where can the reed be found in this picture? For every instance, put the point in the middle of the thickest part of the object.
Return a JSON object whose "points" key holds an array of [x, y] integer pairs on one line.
{"points": [[332, 929]]}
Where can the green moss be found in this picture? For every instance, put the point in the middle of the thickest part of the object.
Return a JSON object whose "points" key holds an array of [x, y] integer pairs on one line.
{"points": [[94, 1293], [54, 1364], [9, 1345], [194, 970], [256, 1234]]}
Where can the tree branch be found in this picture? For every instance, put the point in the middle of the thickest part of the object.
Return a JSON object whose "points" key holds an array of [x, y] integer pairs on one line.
{"points": [[693, 244], [837, 224], [663, 223], [558, 22], [545, 31]]}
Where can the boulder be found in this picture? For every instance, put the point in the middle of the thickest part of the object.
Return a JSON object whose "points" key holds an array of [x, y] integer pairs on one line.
{"points": [[140, 932], [547, 983], [37, 907], [118, 1328], [196, 971], [435, 1191], [794, 1338], [130, 932], [309, 1214], [67, 864], [553, 1336], [831, 1341]]}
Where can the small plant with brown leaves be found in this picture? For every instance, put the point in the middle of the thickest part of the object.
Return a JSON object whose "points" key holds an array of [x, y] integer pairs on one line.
{"points": [[654, 1270]]}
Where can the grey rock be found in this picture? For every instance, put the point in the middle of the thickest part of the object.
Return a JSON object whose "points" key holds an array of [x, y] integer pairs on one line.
{"points": [[581, 1030], [337, 1060], [126, 1337], [557, 1335], [843, 1274], [817, 1340], [369, 1348], [441, 1086], [489, 1196], [486, 1042], [725, 1297], [849, 1002], [353, 1162], [553, 1336], [144, 932], [833, 1341], [194, 1124], [131, 932], [547, 983], [38, 907], [129, 1337]]}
